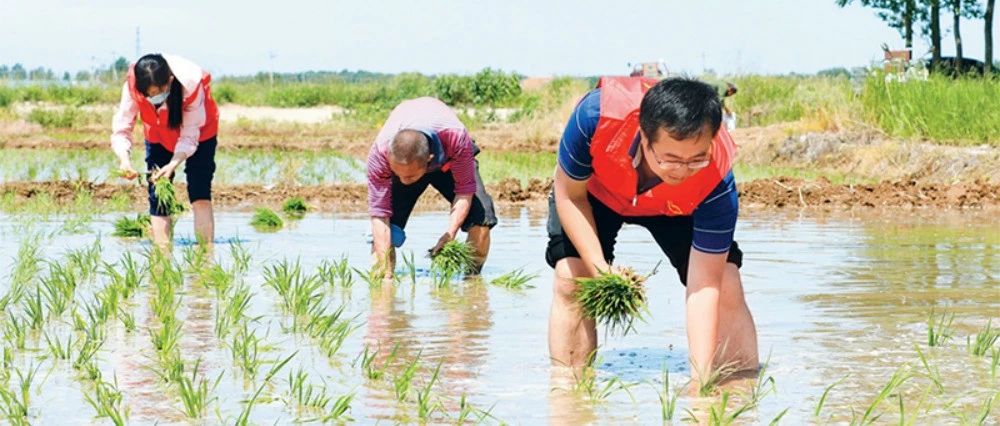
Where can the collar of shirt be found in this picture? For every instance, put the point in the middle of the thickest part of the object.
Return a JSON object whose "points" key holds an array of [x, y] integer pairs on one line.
{"points": [[636, 154]]}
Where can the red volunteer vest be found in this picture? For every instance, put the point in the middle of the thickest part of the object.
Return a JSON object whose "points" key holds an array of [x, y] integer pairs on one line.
{"points": [[615, 180], [155, 125]]}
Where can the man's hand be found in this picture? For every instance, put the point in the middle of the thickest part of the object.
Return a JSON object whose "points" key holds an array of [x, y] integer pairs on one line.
{"points": [[445, 238]]}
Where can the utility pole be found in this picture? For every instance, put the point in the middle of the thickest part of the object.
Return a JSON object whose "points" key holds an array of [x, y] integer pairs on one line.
{"points": [[272, 55]]}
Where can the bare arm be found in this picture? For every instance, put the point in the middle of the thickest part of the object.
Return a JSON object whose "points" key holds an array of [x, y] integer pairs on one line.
{"points": [[704, 283], [577, 219], [381, 239]]}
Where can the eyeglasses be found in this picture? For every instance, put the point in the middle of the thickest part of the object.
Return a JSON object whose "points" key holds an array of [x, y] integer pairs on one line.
{"points": [[674, 165]]}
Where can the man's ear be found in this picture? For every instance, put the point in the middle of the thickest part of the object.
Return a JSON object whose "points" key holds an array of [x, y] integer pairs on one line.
{"points": [[430, 158]]}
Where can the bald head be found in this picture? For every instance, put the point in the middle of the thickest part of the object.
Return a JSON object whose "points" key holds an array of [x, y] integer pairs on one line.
{"points": [[409, 147]]}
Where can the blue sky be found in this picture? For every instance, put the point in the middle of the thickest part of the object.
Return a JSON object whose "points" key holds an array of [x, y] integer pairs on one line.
{"points": [[444, 36]]}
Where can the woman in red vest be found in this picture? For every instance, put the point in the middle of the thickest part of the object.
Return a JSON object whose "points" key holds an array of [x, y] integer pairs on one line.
{"points": [[173, 98], [651, 154]]}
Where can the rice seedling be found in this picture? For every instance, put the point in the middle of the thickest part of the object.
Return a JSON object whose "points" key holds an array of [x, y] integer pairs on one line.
{"points": [[127, 319], [241, 257], [411, 267], [26, 268], [933, 373], [266, 220], [615, 299], [196, 392], [108, 402], [166, 197], [15, 404], [718, 413], [195, 257], [777, 419], [130, 279], [298, 291], [939, 329], [587, 384], [374, 276], [708, 383], [34, 310], [668, 397], [166, 337], [985, 339], [764, 384], [306, 395], [170, 368], [426, 408], [245, 348], [85, 261], [403, 382], [515, 280], [88, 350], [367, 358], [295, 207], [232, 310], [15, 331], [138, 227], [338, 410], [244, 417], [900, 376], [454, 258], [58, 349], [826, 393], [466, 410], [57, 294], [330, 330], [336, 273], [217, 278]]}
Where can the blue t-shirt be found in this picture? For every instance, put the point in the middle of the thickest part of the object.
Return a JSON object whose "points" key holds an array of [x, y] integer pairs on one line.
{"points": [[714, 218]]}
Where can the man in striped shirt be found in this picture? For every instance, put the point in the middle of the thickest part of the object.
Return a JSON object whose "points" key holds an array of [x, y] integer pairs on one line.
{"points": [[653, 155], [423, 143]]}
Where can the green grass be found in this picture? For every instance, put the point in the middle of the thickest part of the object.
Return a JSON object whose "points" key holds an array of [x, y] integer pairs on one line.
{"points": [[63, 118], [266, 220], [522, 166], [765, 100], [615, 300], [962, 111]]}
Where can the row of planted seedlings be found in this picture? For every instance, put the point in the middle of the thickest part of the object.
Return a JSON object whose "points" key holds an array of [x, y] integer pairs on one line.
{"points": [[313, 315], [55, 310], [235, 325]]}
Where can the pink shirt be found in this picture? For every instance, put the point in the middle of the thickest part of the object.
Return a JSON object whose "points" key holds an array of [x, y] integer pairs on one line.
{"points": [[189, 74], [432, 117]]}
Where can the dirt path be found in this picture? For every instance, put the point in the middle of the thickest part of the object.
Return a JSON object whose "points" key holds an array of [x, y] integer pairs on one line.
{"points": [[764, 193]]}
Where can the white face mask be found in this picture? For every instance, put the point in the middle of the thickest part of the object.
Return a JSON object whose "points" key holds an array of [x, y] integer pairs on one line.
{"points": [[158, 99]]}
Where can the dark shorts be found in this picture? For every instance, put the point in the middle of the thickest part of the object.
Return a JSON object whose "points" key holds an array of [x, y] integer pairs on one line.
{"points": [[404, 198], [672, 233], [199, 168]]}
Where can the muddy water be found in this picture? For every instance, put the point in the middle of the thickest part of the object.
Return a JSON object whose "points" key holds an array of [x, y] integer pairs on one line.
{"points": [[833, 296]]}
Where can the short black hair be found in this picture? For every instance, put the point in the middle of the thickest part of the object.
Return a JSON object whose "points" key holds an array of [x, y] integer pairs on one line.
{"points": [[408, 146], [684, 107]]}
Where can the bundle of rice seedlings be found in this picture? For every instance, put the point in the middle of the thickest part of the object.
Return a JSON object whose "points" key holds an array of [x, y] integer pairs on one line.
{"points": [[454, 258], [613, 298], [265, 219], [166, 196], [295, 207], [127, 227]]}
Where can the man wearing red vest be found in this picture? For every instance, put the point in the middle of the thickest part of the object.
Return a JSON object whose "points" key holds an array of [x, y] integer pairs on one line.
{"points": [[651, 154]]}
